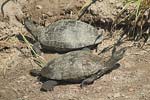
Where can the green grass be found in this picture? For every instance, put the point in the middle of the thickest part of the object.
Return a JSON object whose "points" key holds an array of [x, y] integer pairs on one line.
{"points": [[136, 20], [40, 62], [141, 5]]}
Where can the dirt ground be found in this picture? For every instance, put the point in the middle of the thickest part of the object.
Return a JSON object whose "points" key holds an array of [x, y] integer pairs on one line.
{"points": [[129, 82]]}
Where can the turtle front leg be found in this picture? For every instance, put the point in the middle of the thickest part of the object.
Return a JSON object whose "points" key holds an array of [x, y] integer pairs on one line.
{"points": [[87, 81], [94, 77], [36, 47], [91, 79], [97, 75], [49, 85]]}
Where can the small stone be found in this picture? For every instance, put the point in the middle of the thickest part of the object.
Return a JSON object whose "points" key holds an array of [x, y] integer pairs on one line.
{"points": [[119, 5], [116, 95], [112, 1], [131, 89], [39, 7], [50, 14], [22, 77], [109, 95], [25, 97], [126, 97]]}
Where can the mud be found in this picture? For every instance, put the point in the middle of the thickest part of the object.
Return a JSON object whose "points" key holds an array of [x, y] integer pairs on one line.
{"points": [[129, 82]]}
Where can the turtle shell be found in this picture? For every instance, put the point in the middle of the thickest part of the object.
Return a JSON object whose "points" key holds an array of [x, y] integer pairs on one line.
{"points": [[73, 66], [68, 34]]}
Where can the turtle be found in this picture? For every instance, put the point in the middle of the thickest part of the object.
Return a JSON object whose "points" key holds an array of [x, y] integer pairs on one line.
{"points": [[64, 35], [80, 66]]}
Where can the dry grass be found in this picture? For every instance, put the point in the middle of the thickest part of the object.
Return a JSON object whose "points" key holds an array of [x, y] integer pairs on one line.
{"points": [[85, 7], [135, 16], [40, 60]]}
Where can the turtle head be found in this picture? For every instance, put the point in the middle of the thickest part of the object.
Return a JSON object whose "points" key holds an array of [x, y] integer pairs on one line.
{"points": [[33, 28], [35, 72], [118, 55]]}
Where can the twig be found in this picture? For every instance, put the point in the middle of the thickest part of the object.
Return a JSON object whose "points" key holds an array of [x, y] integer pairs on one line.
{"points": [[6, 36], [84, 8], [3, 4], [30, 46]]}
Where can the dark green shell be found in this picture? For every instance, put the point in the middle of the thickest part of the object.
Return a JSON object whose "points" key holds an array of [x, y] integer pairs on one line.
{"points": [[73, 66], [65, 35]]}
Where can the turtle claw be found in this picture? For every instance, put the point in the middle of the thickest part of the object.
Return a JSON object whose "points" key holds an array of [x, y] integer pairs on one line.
{"points": [[86, 82], [82, 85], [49, 85], [45, 90]]}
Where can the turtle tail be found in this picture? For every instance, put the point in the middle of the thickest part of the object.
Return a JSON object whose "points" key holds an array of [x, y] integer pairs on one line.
{"points": [[35, 72]]}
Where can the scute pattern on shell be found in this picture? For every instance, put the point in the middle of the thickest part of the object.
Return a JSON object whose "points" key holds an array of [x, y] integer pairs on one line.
{"points": [[69, 34], [74, 66]]}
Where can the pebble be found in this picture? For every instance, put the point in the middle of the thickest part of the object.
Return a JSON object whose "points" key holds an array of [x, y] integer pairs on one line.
{"points": [[116, 95], [50, 14], [39, 7], [131, 89]]}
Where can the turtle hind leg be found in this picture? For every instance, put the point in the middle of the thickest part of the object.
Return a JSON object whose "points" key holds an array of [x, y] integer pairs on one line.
{"points": [[37, 48], [92, 78], [97, 75], [116, 66], [87, 81], [49, 85]]}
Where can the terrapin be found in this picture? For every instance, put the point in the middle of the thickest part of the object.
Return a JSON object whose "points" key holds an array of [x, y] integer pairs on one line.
{"points": [[76, 67], [64, 35]]}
